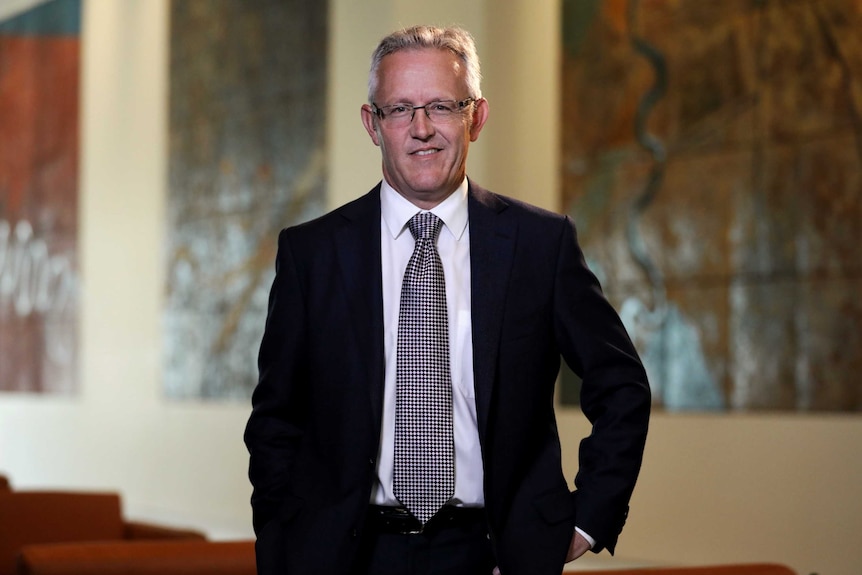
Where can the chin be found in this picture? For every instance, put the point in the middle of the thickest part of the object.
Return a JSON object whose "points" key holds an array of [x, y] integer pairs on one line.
{"points": [[429, 185]]}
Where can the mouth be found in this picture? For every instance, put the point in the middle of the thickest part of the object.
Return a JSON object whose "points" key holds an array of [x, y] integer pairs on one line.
{"points": [[427, 152]]}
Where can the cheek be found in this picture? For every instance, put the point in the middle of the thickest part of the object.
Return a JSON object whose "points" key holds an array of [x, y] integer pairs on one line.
{"points": [[461, 139], [387, 141]]}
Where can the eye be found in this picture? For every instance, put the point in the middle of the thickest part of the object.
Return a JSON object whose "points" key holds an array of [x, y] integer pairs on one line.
{"points": [[444, 107], [399, 109]]}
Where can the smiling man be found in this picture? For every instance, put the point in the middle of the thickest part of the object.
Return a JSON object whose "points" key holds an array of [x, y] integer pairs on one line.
{"points": [[424, 159], [403, 421]]}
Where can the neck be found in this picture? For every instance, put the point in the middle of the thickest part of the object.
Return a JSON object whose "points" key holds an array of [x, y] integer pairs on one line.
{"points": [[426, 201]]}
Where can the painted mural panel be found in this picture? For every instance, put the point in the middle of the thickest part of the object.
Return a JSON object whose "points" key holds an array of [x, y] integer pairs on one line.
{"points": [[712, 159], [247, 121], [39, 133]]}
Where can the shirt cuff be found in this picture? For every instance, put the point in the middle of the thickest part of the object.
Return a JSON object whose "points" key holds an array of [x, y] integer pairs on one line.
{"points": [[584, 534]]}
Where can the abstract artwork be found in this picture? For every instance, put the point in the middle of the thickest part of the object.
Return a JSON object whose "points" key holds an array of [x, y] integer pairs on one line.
{"points": [[246, 158], [39, 133], [712, 160]]}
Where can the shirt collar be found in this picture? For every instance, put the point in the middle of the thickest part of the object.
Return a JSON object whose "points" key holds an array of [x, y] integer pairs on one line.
{"points": [[396, 210]]}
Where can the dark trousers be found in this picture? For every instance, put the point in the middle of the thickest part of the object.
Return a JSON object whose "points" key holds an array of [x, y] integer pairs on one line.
{"points": [[450, 550]]}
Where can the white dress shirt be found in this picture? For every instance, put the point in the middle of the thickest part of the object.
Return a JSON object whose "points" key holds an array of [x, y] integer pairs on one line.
{"points": [[396, 244]]}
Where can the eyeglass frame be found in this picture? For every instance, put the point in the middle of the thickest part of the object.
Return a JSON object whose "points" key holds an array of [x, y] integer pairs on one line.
{"points": [[462, 105]]}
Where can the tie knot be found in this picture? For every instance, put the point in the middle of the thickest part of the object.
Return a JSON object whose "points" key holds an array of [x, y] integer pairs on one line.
{"points": [[425, 226]]}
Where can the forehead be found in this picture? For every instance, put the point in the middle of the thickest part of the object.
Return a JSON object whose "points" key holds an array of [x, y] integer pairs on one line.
{"points": [[421, 73]]}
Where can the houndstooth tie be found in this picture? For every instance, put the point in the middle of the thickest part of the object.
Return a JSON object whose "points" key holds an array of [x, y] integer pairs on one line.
{"points": [[424, 446]]}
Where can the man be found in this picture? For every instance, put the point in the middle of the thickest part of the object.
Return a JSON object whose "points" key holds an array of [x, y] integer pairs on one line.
{"points": [[391, 433]]}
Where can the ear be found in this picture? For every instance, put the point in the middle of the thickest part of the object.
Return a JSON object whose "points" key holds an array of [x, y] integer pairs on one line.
{"points": [[368, 120], [480, 116]]}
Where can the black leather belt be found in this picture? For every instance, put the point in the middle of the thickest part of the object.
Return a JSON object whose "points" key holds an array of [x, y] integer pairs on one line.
{"points": [[398, 520]]}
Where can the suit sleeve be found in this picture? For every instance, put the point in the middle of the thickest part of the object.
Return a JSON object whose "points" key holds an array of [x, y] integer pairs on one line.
{"points": [[275, 427], [615, 394]]}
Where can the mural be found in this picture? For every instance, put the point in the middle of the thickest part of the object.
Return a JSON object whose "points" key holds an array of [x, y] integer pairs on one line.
{"points": [[712, 160], [39, 128], [247, 121]]}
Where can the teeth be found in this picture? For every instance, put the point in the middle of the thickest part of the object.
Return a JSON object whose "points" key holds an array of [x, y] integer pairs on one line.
{"points": [[425, 152]]}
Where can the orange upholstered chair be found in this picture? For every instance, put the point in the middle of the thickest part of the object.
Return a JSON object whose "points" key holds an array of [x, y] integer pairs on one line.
{"points": [[140, 558], [740, 569], [36, 517]]}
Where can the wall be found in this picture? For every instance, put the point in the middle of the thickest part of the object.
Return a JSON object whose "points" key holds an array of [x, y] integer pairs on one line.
{"points": [[714, 489], [720, 489]]}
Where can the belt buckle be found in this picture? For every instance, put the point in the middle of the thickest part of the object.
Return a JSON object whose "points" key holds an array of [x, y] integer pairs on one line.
{"points": [[402, 521], [410, 519]]}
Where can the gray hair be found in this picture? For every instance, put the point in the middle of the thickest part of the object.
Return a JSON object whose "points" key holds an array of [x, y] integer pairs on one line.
{"points": [[456, 40]]}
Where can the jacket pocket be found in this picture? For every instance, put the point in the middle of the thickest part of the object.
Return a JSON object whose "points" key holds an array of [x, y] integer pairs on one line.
{"points": [[556, 506]]}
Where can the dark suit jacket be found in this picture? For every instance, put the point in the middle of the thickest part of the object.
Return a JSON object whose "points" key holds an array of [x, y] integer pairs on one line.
{"points": [[315, 425]]}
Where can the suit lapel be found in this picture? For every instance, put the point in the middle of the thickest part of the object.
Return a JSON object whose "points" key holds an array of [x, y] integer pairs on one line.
{"points": [[492, 242], [357, 244], [493, 231]]}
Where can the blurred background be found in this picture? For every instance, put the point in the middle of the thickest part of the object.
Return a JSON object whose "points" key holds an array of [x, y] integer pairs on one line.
{"points": [[710, 153]]}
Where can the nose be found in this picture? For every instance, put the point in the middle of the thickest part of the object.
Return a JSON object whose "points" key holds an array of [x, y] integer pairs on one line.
{"points": [[421, 125]]}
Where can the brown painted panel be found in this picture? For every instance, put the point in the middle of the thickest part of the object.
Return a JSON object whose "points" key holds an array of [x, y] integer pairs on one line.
{"points": [[712, 158], [39, 135]]}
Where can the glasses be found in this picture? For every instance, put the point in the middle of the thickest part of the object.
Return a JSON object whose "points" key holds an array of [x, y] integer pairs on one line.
{"points": [[441, 111]]}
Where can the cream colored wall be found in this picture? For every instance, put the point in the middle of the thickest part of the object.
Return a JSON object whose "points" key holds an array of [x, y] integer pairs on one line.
{"points": [[713, 489], [720, 489]]}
